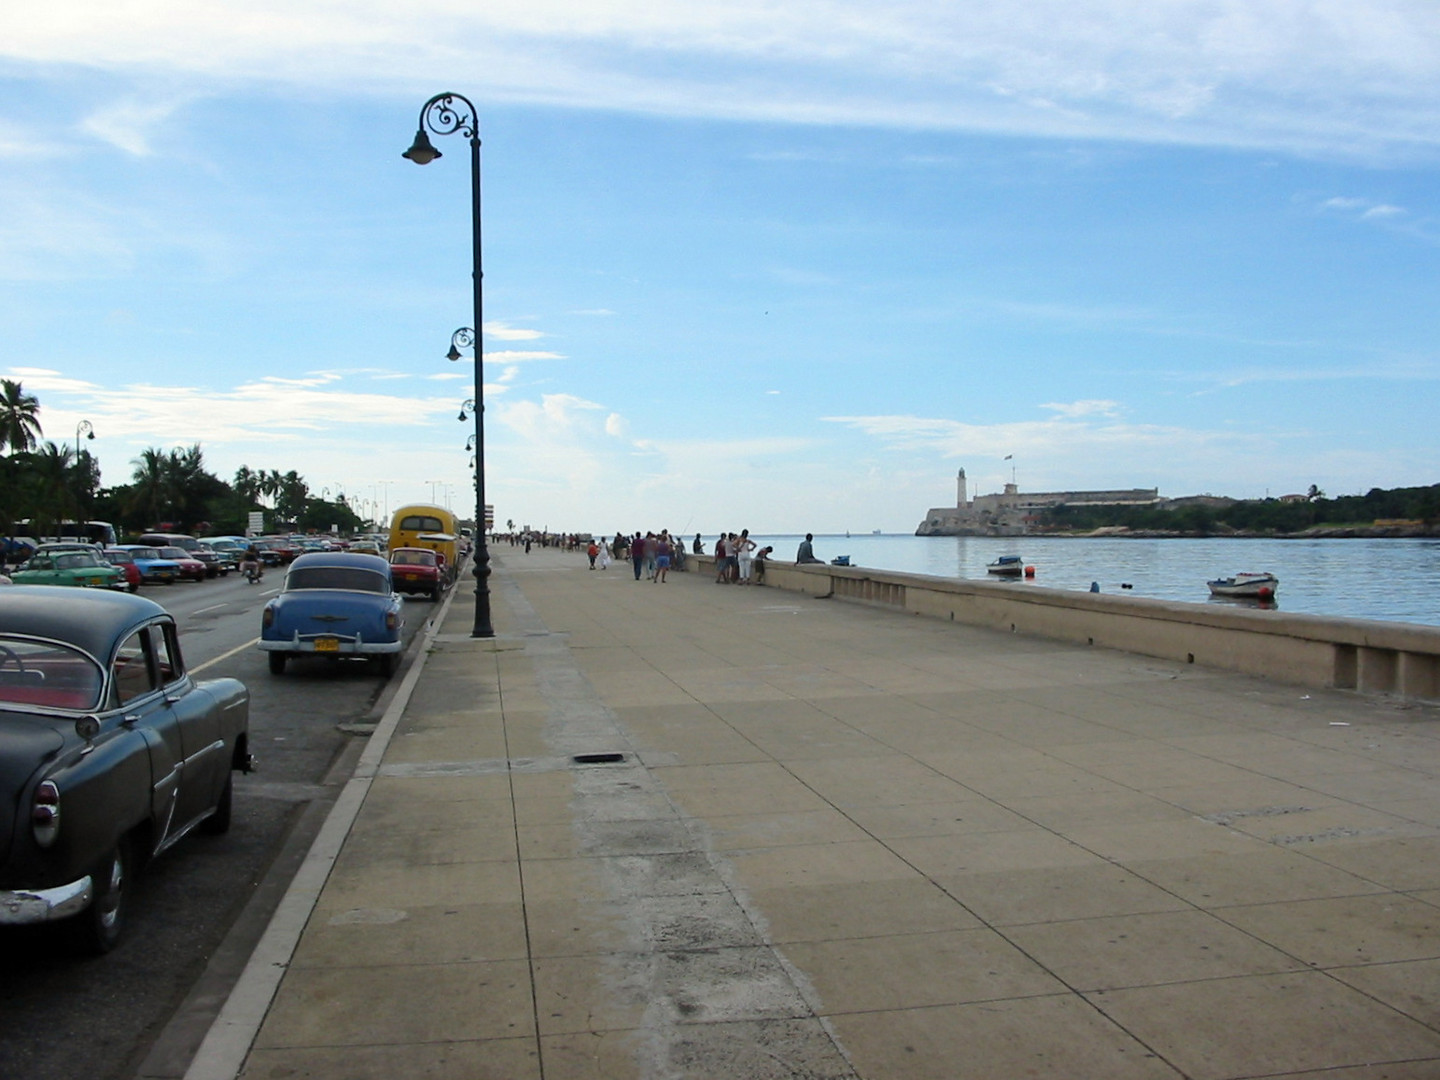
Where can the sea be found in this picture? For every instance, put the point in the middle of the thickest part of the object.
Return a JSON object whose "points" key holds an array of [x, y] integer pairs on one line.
{"points": [[1396, 580]]}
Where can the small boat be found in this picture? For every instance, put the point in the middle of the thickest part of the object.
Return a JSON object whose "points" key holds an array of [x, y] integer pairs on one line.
{"points": [[1006, 566], [1254, 586]]}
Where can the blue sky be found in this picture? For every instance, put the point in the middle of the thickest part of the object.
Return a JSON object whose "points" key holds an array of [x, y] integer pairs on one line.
{"points": [[785, 267]]}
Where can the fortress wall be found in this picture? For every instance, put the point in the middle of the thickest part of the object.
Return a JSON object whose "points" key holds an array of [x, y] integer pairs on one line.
{"points": [[1401, 659]]}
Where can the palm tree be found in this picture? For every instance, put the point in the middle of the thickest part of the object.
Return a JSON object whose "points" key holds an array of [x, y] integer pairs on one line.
{"points": [[19, 417], [151, 494], [52, 477]]}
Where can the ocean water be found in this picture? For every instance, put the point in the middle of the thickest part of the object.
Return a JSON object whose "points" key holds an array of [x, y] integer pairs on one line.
{"points": [[1393, 580]]}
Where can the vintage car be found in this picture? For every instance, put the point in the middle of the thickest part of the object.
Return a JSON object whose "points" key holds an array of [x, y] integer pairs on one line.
{"points": [[334, 604], [154, 570], [190, 568], [123, 562], [417, 570], [68, 566], [109, 753], [217, 562]]}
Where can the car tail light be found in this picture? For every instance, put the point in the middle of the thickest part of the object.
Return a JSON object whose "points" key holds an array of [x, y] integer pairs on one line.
{"points": [[392, 620], [45, 813], [267, 617]]}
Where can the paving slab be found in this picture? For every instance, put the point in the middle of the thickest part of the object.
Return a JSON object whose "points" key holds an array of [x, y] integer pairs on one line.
{"points": [[705, 831]]}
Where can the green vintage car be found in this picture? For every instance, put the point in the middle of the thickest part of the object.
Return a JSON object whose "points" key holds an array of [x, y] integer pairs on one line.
{"points": [[83, 568]]}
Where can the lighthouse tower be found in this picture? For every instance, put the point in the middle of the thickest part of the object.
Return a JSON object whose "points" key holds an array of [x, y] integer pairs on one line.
{"points": [[961, 499]]}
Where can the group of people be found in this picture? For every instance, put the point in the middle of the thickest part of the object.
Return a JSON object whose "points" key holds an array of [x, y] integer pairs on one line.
{"points": [[738, 559]]}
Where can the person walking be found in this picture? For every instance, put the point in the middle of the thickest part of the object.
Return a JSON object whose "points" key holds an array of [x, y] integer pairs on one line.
{"points": [[637, 553], [721, 568], [593, 552], [744, 556], [604, 555], [663, 550]]}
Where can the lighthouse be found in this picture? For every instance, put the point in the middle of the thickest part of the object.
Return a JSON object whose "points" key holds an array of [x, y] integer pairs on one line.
{"points": [[961, 498]]}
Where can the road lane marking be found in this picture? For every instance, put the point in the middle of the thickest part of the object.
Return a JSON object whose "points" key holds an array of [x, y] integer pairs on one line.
{"points": [[223, 656], [212, 607]]}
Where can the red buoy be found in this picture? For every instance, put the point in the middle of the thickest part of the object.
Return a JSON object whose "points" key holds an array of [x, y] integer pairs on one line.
{"points": [[1029, 571]]}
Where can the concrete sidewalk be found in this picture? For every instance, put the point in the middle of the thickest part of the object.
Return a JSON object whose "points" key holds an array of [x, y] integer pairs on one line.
{"points": [[686, 830]]}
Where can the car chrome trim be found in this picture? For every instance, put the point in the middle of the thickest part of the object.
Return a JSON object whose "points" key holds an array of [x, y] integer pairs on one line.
{"points": [[20, 907]]}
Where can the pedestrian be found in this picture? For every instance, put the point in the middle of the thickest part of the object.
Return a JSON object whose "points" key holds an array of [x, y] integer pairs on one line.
{"points": [[699, 548], [744, 556], [637, 553], [651, 543], [663, 551], [592, 551], [720, 565], [604, 555], [761, 558]]}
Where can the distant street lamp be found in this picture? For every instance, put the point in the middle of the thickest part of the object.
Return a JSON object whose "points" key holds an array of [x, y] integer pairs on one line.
{"points": [[446, 114], [83, 428], [468, 403]]}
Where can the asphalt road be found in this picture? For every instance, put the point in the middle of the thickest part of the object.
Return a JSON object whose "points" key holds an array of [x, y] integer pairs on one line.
{"points": [[63, 1017]]}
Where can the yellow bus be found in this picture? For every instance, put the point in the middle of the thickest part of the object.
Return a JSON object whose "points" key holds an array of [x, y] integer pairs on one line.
{"points": [[425, 526]]}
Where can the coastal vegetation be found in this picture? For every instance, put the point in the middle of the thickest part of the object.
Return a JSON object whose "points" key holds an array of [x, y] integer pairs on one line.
{"points": [[1379, 512], [45, 483]]}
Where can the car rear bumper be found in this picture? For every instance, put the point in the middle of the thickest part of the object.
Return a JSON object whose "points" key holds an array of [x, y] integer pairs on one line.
{"points": [[341, 648], [19, 907]]}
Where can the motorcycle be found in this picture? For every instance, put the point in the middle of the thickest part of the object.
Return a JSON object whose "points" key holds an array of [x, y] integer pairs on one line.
{"points": [[252, 570]]}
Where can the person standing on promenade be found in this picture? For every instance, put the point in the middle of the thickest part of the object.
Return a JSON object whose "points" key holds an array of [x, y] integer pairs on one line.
{"points": [[761, 558], [720, 567], [651, 543], [604, 554], [744, 556], [637, 553], [663, 551], [592, 551], [806, 552]]}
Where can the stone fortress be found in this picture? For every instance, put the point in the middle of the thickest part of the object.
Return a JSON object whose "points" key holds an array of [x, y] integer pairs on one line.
{"points": [[1012, 512]]}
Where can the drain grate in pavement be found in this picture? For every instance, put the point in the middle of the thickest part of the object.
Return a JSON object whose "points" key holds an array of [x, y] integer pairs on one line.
{"points": [[597, 759]]}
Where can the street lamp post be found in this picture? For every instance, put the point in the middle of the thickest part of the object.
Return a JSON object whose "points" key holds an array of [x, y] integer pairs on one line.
{"points": [[446, 114]]}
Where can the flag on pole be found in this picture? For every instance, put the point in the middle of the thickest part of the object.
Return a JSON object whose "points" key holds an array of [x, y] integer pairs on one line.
{"points": [[1009, 456]]}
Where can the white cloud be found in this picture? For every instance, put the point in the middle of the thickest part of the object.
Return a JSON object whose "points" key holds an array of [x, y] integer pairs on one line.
{"points": [[514, 356], [1321, 75], [1084, 408], [500, 331], [129, 125]]}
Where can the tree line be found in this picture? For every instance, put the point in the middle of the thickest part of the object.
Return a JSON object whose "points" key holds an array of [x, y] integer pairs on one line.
{"points": [[1268, 517], [172, 491]]}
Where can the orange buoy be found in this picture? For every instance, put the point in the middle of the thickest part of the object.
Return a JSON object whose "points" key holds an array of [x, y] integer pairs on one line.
{"points": [[1029, 571]]}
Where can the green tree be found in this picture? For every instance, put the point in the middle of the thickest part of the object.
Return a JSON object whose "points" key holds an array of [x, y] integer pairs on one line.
{"points": [[19, 417], [151, 495]]}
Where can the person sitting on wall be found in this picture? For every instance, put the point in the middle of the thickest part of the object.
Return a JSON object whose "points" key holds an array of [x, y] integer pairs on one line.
{"points": [[806, 553]]}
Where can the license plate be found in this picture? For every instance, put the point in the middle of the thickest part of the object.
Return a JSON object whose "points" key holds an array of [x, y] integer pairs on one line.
{"points": [[327, 644]]}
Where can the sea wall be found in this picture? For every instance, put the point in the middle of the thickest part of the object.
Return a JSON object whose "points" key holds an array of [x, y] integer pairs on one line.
{"points": [[1400, 659]]}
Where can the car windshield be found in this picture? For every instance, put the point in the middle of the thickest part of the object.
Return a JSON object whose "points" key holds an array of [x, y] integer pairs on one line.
{"points": [[75, 560], [351, 578], [413, 558], [47, 674], [118, 557], [145, 553]]}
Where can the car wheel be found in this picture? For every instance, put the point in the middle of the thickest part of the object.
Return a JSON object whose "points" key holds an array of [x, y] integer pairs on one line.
{"points": [[387, 664], [133, 587], [435, 594], [98, 928], [219, 822], [277, 663]]}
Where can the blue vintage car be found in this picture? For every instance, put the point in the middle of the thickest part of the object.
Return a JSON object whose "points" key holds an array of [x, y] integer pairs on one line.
{"points": [[334, 604], [154, 567], [109, 753]]}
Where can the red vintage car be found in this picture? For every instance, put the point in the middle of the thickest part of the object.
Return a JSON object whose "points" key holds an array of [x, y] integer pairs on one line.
{"points": [[191, 568], [417, 570]]}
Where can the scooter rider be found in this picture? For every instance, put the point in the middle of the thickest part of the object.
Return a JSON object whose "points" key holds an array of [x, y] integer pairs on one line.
{"points": [[251, 566]]}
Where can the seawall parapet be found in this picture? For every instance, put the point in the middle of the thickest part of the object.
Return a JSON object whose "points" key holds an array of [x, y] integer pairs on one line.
{"points": [[1365, 655]]}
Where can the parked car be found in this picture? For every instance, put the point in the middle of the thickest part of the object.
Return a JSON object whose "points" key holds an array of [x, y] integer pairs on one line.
{"points": [[334, 604], [217, 563], [417, 570], [125, 563], [109, 753], [68, 566], [154, 570], [190, 568]]}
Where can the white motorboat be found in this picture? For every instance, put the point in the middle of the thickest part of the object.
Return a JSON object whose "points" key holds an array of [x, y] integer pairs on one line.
{"points": [[1251, 586]]}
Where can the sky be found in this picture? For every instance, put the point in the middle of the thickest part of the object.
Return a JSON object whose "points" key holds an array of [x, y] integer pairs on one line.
{"points": [[781, 266]]}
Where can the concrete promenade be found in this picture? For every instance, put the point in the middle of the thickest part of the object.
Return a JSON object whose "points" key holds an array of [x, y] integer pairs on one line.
{"points": [[686, 830]]}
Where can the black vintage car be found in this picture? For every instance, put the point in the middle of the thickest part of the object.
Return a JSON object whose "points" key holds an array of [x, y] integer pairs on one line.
{"points": [[109, 753]]}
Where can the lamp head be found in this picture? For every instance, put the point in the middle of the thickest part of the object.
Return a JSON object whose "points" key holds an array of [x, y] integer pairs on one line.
{"points": [[422, 151], [453, 354], [462, 414]]}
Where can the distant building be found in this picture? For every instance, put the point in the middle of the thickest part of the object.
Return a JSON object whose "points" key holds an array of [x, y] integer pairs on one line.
{"points": [[1012, 512]]}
